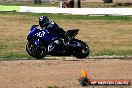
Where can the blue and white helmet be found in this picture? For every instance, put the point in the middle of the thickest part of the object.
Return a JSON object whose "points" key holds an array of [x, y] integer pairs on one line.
{"points": [[43, 20]]}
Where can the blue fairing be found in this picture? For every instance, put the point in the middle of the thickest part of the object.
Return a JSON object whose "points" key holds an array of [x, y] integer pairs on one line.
{"points": [[42, 34]]}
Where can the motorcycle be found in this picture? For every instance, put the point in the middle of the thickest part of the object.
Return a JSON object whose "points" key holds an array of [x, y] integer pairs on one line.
{"points": [[45, 42]]}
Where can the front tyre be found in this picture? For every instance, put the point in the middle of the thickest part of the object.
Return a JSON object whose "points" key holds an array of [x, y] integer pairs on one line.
{"points": [[35, 51], [81, 51]]}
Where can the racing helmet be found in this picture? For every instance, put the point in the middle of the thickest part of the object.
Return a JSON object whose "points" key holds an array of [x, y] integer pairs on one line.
{"points": [[43, 20]]}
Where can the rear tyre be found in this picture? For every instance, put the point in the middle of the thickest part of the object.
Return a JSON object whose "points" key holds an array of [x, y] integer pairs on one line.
{"points": [[81, 51], [35, 51]]}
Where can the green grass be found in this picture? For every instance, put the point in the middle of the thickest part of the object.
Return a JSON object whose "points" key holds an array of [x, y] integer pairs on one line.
{"points": [[110, 52], [71, 17], [106, 35]]}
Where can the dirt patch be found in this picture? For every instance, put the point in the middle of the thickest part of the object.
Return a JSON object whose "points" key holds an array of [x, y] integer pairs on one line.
{"points": [[61, 73]]}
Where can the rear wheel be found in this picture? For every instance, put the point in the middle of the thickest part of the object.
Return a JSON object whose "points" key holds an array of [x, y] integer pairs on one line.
{"points": [[37, 52], [81, 51]]}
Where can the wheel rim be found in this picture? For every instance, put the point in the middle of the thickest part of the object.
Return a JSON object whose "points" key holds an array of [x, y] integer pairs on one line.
{"points": [[85, 50], [37, 50]]}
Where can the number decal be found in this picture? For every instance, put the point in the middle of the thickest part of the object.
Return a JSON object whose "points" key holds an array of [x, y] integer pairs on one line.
{"points": [[41, 34]]}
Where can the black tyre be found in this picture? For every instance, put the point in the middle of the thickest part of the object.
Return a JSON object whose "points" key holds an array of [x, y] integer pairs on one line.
{"points": [[81, 51], [32, 51]]}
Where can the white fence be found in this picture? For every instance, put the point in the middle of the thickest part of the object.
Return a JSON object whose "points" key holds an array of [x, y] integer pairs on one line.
{"points": [[78, 11], [74, 11]]}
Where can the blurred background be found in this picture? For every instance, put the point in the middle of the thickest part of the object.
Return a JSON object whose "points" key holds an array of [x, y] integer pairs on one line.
{"points": [[70, 3]]}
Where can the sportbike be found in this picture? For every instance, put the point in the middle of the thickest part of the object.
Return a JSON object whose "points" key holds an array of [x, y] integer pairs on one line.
{"points": [[45, 42]]}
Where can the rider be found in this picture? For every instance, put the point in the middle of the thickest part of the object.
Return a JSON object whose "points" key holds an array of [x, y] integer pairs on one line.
{"points": [[44, 22]]}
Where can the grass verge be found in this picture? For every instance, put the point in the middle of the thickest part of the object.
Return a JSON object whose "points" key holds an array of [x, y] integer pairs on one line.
{"points": [[106, 35]]}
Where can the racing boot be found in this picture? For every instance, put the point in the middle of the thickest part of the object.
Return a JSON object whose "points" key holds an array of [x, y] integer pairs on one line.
{"points": [[65, 39]]}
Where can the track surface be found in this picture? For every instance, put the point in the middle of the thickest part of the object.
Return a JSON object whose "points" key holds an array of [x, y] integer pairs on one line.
{"points": [[63, 73]]}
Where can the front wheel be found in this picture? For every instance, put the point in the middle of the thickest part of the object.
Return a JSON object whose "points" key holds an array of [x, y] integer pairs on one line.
{"points": [[81, 51], [35, 51]]}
